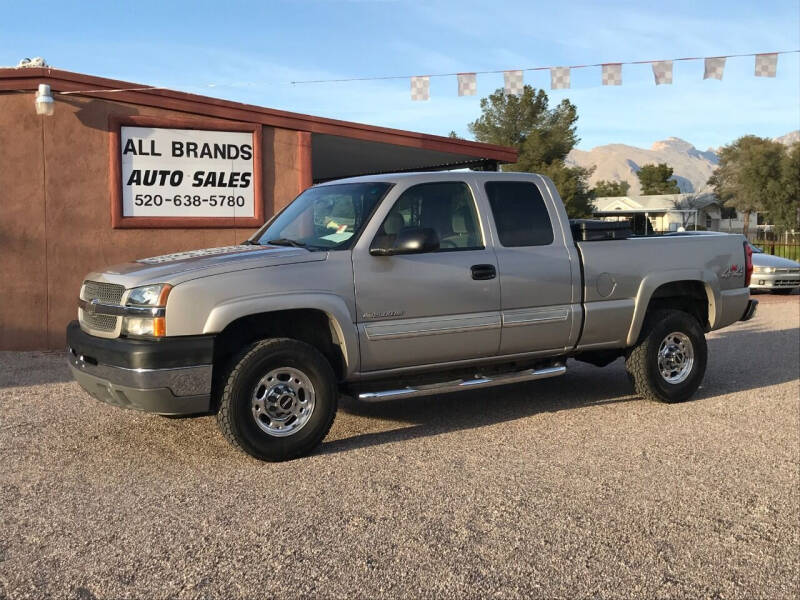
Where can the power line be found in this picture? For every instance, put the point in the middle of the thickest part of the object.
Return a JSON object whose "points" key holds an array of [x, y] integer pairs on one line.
{"points": [[497, 71]]}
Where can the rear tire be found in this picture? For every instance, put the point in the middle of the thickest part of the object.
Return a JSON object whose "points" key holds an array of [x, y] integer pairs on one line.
{"points": [[669, 361], [278, 400]]}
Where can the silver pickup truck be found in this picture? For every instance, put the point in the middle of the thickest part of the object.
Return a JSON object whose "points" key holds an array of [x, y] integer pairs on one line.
{"points": [[396, 286]]}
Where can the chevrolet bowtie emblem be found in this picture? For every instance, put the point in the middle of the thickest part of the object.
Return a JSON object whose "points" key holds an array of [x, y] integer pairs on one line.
{"points": [[90, 308]]}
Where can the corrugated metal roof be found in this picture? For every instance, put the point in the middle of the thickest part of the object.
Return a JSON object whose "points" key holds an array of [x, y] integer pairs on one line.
{"points": [[655, 203]]}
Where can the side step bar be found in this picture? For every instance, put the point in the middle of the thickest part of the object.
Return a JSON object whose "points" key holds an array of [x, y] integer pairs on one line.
{"points": [[460, 385]]}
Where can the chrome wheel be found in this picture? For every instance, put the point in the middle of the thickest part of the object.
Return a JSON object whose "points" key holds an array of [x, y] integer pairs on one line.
{"points": [[283, 401], [675, 357]]}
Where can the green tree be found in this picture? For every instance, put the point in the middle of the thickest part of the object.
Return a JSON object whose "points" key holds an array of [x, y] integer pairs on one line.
{"points": [[752, 175], [655, 180], [609, 189], [453, 135], [784, 209], [543, 136], [572, 184]]}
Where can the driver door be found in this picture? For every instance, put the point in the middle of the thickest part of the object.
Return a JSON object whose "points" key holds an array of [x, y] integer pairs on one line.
{"points": [[428, 307]]}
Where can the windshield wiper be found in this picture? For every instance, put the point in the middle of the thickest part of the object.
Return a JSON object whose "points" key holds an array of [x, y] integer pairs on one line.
{"points": [[287, 242], [249, 243]]}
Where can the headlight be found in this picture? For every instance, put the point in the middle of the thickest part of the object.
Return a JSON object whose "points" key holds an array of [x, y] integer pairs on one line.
{"points": [[763, 269], [151, 296], [143, 326]]}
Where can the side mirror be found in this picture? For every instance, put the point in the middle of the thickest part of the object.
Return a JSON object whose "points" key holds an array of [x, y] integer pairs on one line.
{"points": [[411, 240]]}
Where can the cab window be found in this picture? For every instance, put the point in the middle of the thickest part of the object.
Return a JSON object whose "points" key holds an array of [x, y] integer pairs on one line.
{"points": [[446, 207], [519, 213]]}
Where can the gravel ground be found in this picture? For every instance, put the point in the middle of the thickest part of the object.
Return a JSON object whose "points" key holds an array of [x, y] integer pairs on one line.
{"points": [[567, 488]]}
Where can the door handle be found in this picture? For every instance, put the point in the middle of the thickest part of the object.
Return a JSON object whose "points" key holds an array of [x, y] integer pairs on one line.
{"points": [[481, 272]]}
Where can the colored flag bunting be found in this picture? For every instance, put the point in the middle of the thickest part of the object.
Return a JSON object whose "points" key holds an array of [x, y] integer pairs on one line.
{"points": [[513, 82], [662, 71], [714, 68], [559, 78], [766, 65], [421, 88], [612, 74], [467, 84]]}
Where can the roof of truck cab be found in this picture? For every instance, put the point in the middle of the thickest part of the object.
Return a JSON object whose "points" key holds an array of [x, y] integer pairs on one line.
{"points": [[425, 176]]}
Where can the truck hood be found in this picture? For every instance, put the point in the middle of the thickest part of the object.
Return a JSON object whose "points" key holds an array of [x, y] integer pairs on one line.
{"points": [[183, 266]]}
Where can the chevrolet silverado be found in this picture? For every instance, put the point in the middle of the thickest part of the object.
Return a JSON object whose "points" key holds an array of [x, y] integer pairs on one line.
{"points": [[395, 286]]}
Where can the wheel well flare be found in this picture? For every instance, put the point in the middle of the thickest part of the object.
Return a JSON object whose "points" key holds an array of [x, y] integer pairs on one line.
{"points": [[312, 326], [691, 297]]}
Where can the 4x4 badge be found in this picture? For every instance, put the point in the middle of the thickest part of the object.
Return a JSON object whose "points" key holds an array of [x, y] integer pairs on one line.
{"points": [[732, 271]]}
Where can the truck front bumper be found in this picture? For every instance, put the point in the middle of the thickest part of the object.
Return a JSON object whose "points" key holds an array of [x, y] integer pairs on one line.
{"points": [[170, 376], [775, 281]]}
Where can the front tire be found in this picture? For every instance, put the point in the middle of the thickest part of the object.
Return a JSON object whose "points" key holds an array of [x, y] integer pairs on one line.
{"points": [[278, 400], [669, 362]]}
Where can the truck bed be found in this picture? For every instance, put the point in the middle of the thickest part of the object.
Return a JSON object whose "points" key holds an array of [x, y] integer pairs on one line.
{"points": [[620, 276]]}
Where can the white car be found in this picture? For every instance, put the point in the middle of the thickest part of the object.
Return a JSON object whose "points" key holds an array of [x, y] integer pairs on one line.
{"points": [[774, 273]]}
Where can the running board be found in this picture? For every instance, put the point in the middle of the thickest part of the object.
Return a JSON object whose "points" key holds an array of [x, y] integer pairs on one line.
{"points": [[460, 385]]}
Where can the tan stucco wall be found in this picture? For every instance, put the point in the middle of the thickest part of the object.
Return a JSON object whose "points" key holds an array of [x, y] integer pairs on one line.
{"points": [[55, 219]]}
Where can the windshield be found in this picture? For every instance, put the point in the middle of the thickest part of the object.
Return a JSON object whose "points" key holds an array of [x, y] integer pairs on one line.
{"points": [[755, 249], [324, 218]]}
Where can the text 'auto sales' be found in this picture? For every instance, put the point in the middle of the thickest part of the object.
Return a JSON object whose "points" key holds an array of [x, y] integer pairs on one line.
{"points": [[185, 149]]}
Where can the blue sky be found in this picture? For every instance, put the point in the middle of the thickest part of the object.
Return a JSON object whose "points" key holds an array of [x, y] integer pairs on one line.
{"points": [[251, 51]]}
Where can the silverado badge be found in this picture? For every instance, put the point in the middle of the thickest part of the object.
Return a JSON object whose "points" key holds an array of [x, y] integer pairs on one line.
{"points": [[382, 315]]}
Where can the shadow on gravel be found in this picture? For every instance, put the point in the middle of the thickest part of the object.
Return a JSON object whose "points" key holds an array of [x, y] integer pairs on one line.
{"points": [[582, 386], [752, 359], [19, 369], [448, 413]]}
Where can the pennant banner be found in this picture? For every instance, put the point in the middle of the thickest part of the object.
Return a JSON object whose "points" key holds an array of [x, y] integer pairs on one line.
{"points": [[559, 78], [420, 88], [766, 65], [612, 74], [467, 84], [714, 68], [514, 82], [662, 71]]}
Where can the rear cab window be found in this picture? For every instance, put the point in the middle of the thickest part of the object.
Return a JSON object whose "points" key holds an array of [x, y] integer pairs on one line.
{"points": [[520, 213]]}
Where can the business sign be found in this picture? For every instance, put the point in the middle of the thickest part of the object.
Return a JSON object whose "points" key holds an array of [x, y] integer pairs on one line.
{"points": [[186, 173]]}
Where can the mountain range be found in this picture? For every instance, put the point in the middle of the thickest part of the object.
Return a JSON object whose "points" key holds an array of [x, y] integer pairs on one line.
{"points": [[620, 162]]}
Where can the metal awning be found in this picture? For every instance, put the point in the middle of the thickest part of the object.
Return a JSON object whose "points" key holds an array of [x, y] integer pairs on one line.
{"points": [[334, 156]]}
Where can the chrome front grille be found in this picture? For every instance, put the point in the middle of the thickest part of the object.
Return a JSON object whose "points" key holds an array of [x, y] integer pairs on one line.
{"points": [[110, 293], [107, 293], [100, 322]]}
